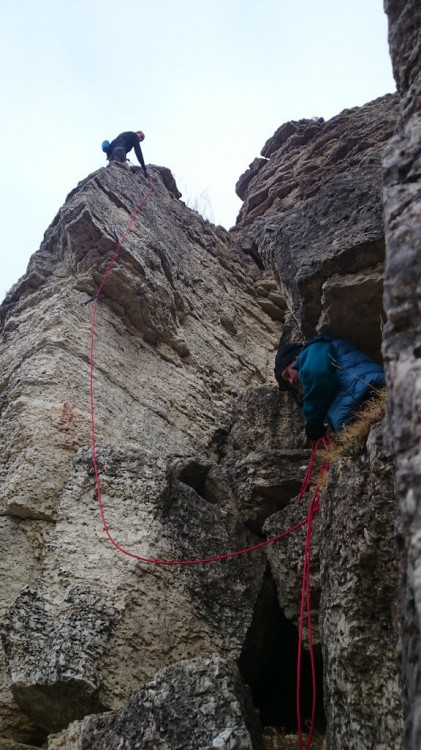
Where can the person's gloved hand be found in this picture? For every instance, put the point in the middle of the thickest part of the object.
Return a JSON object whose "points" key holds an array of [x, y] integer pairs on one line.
{"points": [[314, 431]]}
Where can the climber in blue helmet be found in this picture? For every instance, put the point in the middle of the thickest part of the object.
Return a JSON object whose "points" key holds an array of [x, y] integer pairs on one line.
{"points": [[333, 377], [120, 146]]}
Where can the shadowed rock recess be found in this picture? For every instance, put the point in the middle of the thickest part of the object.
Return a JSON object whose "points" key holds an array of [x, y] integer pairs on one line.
{"points": [[199, 453]]}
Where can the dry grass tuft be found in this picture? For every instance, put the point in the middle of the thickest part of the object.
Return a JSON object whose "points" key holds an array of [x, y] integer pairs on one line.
{"points": [[351, 440], [275, 738]]}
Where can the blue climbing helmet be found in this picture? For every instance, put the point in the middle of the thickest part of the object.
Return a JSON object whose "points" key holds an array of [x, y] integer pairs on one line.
{"points": [[105, 146]]}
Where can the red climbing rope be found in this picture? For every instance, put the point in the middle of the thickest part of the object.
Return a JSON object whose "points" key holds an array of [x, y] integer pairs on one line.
{"points": [[305, 594]]}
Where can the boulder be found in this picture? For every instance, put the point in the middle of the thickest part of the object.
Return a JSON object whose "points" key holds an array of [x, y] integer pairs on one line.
{"points": [[190, 705]]}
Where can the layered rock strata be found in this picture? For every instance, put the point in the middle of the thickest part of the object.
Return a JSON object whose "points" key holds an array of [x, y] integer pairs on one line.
{"points": [[179, 334], [313, 214]]}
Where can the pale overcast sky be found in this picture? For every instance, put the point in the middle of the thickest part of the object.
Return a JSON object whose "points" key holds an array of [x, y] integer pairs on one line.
{"points": [[208, 81]]}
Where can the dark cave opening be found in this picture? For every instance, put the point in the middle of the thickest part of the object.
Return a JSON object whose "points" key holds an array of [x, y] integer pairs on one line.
{"points": [[38, 738], [193, 473], [268, 665]]}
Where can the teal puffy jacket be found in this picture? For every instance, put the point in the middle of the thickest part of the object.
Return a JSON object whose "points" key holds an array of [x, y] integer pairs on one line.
{"points": [[336, 379]]}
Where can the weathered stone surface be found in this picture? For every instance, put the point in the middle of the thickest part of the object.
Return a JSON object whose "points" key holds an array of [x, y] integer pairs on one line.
{"points": [[11, 745], [358, 618], [313, 214], [194, 705], [99, 624], [22, 545], [402, 201], [263, 459], [159, 322], [270, 299], [244, 180], [271, 308], [350, 300], [286, 560], [304, 155], [178, 335]]}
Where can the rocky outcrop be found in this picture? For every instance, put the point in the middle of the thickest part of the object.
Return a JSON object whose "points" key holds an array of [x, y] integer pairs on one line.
{"points": [[323, 239], [263, 458], [402, 202], [158, 447], [179, 334], [23, 547], [193, 456], [313, 214], [166, 301], [303, 156], [287, 563], [354, 574]]}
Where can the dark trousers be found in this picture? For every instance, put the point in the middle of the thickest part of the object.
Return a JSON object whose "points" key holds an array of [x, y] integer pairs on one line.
{"points": [[118, 154]]}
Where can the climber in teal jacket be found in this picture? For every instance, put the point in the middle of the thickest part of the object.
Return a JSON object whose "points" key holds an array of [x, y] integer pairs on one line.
{"points": [[334, 376]]}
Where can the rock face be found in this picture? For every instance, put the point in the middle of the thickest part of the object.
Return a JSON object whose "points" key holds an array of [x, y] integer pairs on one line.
{"points": [[70, 640], [312, 212], [263, 458], [158, 306], [85, 625], [199, 454], [358, 617], [354, 573], [402, 201]]}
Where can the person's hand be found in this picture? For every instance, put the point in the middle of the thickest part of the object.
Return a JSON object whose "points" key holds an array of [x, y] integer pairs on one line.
{"points": [[314, 431]]}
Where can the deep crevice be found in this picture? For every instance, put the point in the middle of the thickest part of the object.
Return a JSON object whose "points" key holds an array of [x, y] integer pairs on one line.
{"points": [[193, 473], [253, 252], [268, 665]]}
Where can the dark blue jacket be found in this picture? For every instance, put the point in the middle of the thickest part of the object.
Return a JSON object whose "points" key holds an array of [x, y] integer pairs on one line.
{"points": [[336, 379]]}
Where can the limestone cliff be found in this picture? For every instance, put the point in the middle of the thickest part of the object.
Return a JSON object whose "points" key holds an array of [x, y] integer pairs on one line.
{"points": [[313, 213], [179, 335], [200, 454]]}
